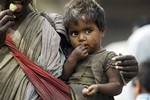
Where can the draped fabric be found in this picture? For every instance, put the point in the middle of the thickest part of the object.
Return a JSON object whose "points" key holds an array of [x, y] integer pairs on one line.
{"points": [[47, 86], [37, 40]]}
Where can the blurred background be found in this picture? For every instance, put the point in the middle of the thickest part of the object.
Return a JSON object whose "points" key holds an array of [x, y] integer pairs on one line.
{"points": [[120, 15]]}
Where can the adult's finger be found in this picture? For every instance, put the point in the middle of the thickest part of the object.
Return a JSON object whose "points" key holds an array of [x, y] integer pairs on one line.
{"points": [[127, 68], [129, 75], [5, 27], [126, 63], [5, 12], [122, 58], [5, 19]]}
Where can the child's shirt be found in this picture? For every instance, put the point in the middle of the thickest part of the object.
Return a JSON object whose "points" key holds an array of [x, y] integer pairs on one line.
{"points": [[91, 70]]}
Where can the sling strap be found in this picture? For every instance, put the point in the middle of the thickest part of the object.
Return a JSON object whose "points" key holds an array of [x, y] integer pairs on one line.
{"points": [[47, 86]]}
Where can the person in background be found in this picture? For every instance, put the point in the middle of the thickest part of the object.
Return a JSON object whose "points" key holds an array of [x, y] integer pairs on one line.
{"points": [[141, 82]]}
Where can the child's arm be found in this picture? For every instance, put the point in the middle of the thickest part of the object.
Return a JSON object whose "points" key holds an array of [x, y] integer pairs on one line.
{"points": [[115, 84], [112, 88], [79, 53], [128, 65]]}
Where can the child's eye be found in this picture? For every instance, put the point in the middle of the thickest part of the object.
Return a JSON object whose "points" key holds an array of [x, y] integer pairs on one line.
{"points": [[74, 34], [88, 31]]}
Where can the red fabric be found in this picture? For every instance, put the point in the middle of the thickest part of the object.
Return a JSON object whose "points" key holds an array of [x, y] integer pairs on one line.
{"points": [[46, 85]]}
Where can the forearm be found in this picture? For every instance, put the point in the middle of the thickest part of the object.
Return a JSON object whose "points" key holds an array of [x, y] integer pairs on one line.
{"points": [[111, 89], [69, 67], [114, 85], [70, 64]]}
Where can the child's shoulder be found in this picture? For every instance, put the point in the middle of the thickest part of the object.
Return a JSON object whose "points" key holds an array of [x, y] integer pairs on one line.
{"points": [[105, 53], [109, 54], [106, 56]]}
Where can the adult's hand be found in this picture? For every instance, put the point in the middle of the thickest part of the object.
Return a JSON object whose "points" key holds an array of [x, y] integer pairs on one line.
{"points": [[6, 21], [127, 65]]}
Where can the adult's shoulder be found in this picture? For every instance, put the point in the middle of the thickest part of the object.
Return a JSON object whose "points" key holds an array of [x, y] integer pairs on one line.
{"points": [[57, 21]]}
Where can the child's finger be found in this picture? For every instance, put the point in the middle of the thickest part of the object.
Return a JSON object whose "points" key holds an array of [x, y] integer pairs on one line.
{"points": [[86, 54], [85, 51], [82, 47]]}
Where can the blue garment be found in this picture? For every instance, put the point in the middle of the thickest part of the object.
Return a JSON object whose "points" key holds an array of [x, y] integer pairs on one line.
{"points": [[144, 96]]}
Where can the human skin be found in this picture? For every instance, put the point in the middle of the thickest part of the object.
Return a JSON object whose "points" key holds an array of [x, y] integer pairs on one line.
{"points": [[10, 19], [85, 38]]}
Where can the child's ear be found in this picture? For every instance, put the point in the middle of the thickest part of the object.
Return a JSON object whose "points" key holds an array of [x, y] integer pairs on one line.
{"points": [[102, 33]]}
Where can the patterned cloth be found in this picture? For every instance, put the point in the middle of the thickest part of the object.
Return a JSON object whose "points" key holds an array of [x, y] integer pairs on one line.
{"points": [[39, 41]]}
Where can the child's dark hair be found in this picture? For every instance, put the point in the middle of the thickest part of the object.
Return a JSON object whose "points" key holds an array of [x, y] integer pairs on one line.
{"points": [[144, 74], [89, 9]]}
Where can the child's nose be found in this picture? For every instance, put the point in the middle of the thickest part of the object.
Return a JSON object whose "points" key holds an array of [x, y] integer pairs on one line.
{"points": [[82, 37]]}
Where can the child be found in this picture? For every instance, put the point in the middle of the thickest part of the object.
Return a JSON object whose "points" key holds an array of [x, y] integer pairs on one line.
{"points": [[88, 69], [142, 82]]}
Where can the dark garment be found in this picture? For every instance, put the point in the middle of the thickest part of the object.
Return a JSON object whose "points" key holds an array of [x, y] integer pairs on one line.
{"points": [[91, 70]]}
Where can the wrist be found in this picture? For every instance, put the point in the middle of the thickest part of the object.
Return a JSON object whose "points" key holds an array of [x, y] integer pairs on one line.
{"points": [[73, 57], [72, 60]]}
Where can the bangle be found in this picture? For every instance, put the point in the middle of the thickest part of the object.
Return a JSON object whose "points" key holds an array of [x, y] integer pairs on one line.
{"points": [[123, 79]]}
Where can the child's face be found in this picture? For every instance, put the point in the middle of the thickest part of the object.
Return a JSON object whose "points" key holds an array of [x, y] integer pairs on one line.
{"points": [[87, 34]]}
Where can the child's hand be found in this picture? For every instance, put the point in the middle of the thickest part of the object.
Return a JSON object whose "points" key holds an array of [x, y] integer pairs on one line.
{"points": [[79, 52], [90, 91]]}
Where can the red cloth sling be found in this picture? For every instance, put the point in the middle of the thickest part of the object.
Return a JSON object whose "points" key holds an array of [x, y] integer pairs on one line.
{"points": [[46, 85]]}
